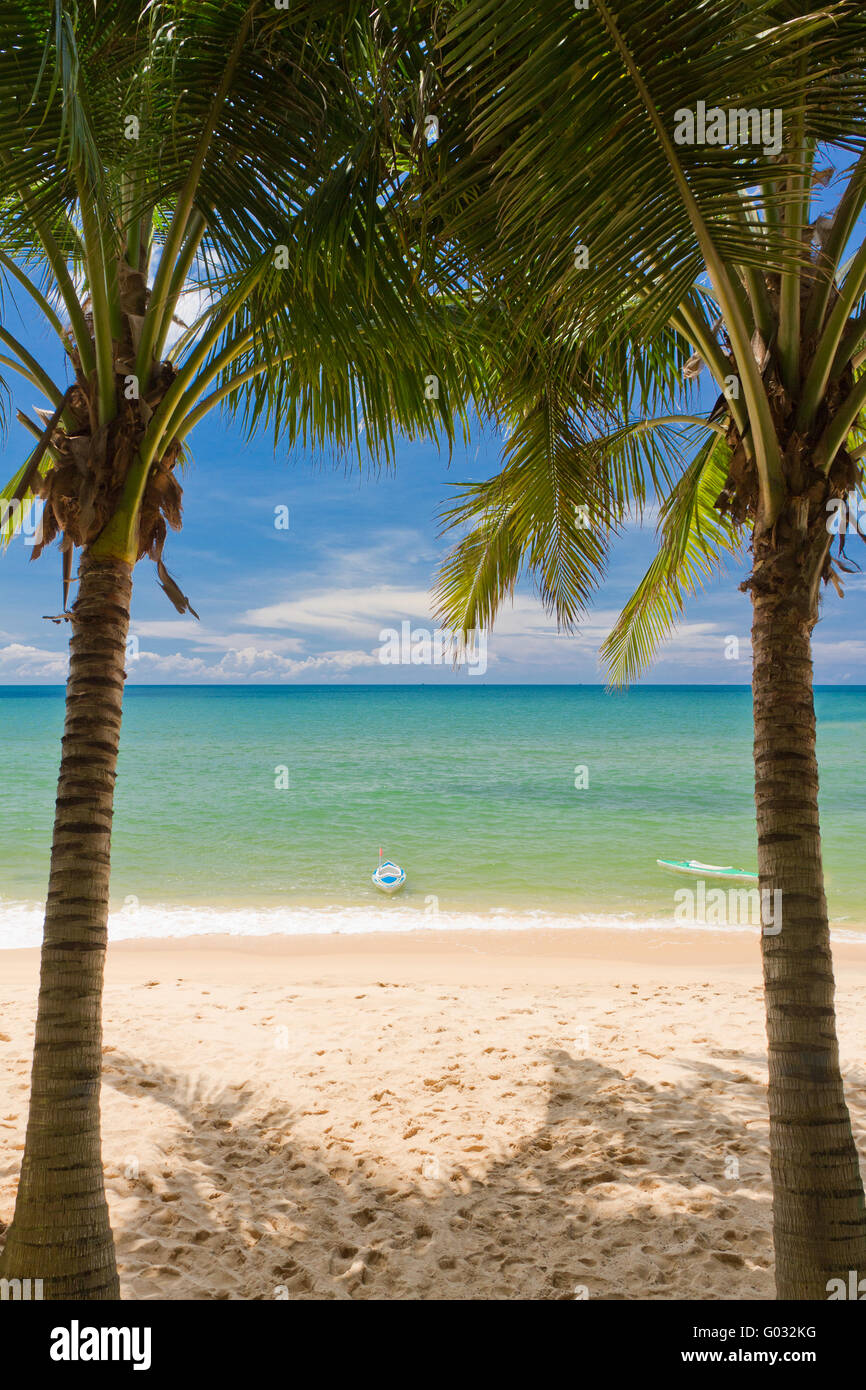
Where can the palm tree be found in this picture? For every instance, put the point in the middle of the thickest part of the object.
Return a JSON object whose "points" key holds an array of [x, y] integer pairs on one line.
{"points": [[241, 157], [628, 247]]}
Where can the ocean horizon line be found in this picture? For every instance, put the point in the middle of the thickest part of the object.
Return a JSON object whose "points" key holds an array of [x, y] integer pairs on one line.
{"points": [[428, 685]]}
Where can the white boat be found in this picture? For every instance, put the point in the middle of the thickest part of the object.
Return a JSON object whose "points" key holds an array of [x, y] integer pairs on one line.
{"points": [[696, 869], [389, 877]]}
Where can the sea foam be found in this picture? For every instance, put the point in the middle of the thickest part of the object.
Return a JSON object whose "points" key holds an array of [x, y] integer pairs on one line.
{"points": [[21, 922]]}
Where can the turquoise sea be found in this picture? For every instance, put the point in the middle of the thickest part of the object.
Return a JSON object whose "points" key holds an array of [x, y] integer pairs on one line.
{"points": [[472, 790]]}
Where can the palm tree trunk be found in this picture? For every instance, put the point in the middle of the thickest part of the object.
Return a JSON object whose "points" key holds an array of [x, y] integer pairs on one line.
{"points": [[61, 1232], [819, 1217]]}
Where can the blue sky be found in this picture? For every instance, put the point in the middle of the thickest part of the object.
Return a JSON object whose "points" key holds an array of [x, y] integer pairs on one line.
{"points": [[308, 604]]}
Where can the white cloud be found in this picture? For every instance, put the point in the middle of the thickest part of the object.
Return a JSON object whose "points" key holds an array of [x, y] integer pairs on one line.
{"points": [[362, 612], [245, 664], [205, 638], [523, 644], [523, 635], [32, 663], [177, 629], [845, 649]]}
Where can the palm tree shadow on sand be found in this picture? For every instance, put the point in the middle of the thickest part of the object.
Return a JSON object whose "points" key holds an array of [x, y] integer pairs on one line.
{"points": [[626, 1190]]}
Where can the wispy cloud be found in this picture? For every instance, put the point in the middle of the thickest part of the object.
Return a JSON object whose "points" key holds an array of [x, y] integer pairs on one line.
{"points": [[357, 611]]}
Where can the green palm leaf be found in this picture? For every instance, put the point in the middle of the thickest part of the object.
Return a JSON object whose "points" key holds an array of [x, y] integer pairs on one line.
{"points": [[695, 538]]}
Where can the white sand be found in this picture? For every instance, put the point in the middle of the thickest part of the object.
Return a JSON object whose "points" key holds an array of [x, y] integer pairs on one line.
{"points": [[440, 1115]]}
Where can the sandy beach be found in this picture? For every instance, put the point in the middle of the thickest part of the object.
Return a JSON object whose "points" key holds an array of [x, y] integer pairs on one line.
{"points": [[543, 1115]]}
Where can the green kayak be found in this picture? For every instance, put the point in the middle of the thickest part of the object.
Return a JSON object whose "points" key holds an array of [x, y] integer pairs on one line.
{"points": [[696, 869]]}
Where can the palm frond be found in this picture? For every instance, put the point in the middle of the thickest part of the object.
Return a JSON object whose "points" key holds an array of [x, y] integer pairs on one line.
{"points": [[695, 538], [551, 120]]}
